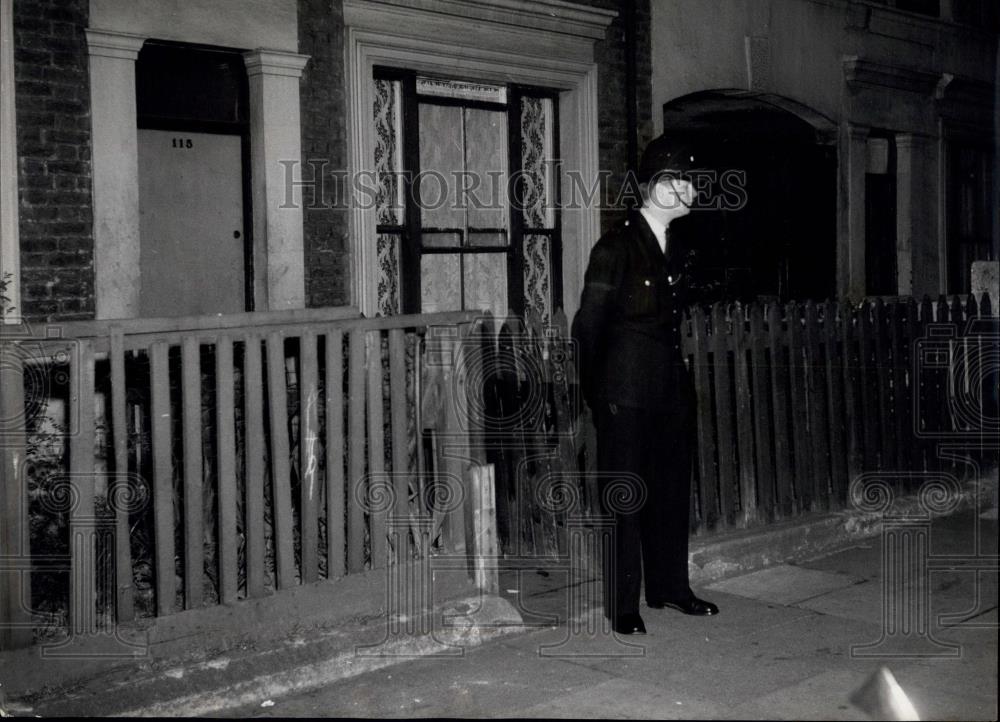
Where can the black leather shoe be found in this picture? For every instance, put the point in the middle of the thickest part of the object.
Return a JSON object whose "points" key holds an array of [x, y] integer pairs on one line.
{"points": [[689, 605], [628, 624]]}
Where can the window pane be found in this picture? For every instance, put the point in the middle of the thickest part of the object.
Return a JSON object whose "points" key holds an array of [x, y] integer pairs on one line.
{"points": [[485, 179], [191, 84], [388, 152], [487, 238], [440, 282], [486, 282], [442, 239], [442, 155]]}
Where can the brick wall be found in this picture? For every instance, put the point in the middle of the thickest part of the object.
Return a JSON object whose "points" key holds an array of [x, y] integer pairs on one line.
{"points": [[611, 96], [321, 36], [54, 169]]}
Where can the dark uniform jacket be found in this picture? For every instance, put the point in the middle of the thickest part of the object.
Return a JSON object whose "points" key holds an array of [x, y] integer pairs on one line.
{"points": [[628, 328]]}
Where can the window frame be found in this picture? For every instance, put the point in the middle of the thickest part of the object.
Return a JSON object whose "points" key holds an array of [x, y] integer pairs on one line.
{"points": [[411, 231]]}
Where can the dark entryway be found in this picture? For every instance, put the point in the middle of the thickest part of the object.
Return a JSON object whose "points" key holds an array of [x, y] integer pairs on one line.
{"points": [[776, 237]]}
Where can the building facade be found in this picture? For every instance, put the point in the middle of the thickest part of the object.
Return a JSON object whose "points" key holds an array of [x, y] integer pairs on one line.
{"points": [[216, 156], [866, 130], [184, 158]]}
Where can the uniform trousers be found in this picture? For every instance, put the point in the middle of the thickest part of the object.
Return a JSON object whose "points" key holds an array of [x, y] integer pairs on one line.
{"points": [[644, 456]]}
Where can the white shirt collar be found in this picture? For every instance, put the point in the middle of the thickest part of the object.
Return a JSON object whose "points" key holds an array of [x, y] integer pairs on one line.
{"points": [[658, 228]]}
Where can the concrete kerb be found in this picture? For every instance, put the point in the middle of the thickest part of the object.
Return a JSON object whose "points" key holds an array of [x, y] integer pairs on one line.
{"points": [[203, 686], [278, 630], [728, 554]]}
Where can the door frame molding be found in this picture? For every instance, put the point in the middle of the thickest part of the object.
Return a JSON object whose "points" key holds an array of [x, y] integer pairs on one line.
{"points": [[277, 229]]}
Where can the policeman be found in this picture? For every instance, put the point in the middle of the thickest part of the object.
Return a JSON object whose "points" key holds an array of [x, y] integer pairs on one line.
{"points": [[639, 391]]}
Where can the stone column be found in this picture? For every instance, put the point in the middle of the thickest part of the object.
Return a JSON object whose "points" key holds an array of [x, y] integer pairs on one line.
{"points": [[116, 172], [851, 212], [10, 252], [275, 150], [916, 216]]}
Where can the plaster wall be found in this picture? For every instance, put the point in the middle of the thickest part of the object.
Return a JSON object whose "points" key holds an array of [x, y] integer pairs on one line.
{"points": [[232, 23]]}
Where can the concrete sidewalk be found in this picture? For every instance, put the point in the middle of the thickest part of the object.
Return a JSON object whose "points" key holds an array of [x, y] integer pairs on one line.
{"points": [[789, 643], [791, 611]]}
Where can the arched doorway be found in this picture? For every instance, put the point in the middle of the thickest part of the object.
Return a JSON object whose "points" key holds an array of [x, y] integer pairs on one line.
{"points": [[780, 239]]}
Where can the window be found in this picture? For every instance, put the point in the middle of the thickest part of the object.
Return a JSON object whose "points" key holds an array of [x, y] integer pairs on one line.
{"points": [[970, 233], [466, 201]]}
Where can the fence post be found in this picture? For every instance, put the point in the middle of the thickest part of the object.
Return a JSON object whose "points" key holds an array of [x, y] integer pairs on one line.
{"points": [[868, 389], [818, 410], [83, 521], [484, 526], [125, 591], [780, 398], [848, 336], [883, 369], [744, 433], [15, 629], [762, 412], [706, 439], [720, 345], [835, 390]]}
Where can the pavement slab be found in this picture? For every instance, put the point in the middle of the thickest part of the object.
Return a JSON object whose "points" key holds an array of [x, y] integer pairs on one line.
{"points": [[621, 698], [785, 584], [822, 696]]}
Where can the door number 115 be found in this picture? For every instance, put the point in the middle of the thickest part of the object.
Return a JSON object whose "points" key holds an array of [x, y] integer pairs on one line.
{"points": [[182, 143]]}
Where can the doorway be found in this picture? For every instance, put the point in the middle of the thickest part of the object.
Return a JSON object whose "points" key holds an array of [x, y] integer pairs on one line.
{"points": [[193, 135], [773, 232]]}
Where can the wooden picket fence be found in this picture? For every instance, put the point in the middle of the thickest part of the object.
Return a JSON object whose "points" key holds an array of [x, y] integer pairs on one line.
{"points": [[795, 401], [257, 452], [265, 451]]}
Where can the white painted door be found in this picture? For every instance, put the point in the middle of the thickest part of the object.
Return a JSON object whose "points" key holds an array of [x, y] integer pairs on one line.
{"points": [[190, 223]]}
